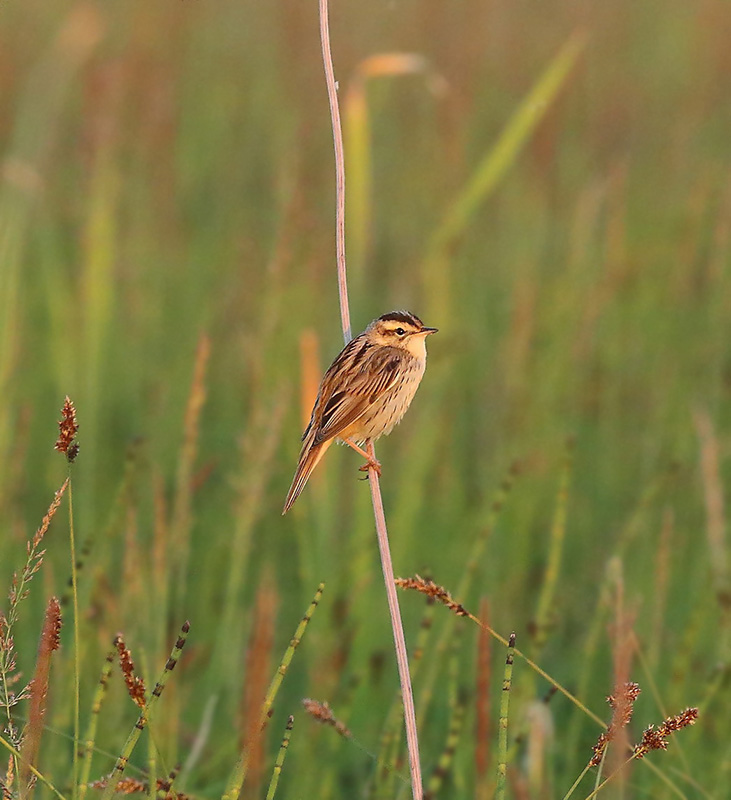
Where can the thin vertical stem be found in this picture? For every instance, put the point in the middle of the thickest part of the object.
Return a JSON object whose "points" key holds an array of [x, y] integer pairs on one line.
{"points": [[90, 739], [502, 744], [279, 763], [393, 607], [332, 94], [399, 640], [77, 647]]}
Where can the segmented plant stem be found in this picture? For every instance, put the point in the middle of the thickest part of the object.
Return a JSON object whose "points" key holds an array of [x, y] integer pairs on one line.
{"points": [[145, 715], [502, 747], [279, 763], [90, 739], [236, 780]]}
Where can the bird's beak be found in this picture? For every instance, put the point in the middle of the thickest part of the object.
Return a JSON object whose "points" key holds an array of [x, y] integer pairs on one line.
{"points": [[427, 331]]}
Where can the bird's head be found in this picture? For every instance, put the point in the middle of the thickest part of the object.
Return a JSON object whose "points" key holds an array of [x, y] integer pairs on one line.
{"points": [[400, 329]]}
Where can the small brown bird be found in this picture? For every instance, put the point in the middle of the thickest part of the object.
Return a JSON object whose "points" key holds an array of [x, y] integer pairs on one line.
{"points": [[366, 391]]}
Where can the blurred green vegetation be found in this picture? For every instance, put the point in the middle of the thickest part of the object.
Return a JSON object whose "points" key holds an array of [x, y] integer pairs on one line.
{"points": [[168, 189]]}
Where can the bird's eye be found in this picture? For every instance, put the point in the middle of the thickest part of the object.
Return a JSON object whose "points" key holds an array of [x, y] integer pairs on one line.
{"points": [[399, 331]]}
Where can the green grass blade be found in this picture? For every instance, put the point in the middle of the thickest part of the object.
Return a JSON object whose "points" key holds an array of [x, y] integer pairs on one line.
{"points": [[504, 152], [555, 552], [491, 170]]}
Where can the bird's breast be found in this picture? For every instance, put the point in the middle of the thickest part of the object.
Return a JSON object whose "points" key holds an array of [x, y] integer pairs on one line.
{"points": [[388, 410]]}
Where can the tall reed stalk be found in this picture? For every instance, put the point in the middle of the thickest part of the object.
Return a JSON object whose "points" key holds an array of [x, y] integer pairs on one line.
{"points": [[378, 511]]}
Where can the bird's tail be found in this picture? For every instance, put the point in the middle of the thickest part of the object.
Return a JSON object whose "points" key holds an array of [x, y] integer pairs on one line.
{"points": [[309, 459]]}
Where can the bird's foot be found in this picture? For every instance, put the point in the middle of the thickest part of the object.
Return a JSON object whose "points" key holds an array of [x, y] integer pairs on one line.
{"points": [[373, 463]]}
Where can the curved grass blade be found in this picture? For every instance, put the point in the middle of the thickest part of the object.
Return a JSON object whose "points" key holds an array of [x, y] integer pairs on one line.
{"points": [[503, 153], [492, 168]]}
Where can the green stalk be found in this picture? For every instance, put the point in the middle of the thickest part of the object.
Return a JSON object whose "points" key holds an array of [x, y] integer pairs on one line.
{"points": [[502, 744], [42, 778], [90, 739], [555, 553], [77, 645], [280, 759], [238, 774], [146, 715]]}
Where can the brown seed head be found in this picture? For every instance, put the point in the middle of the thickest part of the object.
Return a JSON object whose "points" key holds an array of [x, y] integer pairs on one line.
{"points": [[323, 713], [52, 627], [135, 684], [135, 786], [622, 704], [68, 427], [657, 738], [434, 591]]}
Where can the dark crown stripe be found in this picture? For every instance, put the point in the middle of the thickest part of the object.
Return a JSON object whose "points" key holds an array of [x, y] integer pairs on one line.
{"points": [[402, 316]]}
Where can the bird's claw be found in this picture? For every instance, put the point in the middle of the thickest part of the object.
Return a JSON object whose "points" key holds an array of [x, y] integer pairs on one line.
{"points": [[375, 464]]}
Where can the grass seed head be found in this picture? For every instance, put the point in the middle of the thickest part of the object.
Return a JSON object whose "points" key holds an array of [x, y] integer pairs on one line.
{"points": [[657, 738], [135, 684], [622, 704], [433, 591], [323, 713], [68, 427], [134, 786]]}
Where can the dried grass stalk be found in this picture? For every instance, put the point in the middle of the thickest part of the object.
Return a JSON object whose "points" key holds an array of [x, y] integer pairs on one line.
{"points": [[258, 670], [38, 692]]}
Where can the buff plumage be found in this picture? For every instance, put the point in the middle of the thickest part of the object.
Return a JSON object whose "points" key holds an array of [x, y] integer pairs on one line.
{"points": [[365, 392]]}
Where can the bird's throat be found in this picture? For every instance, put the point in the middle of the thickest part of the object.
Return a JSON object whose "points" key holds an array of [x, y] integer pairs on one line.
{"points": [[416, 345]]}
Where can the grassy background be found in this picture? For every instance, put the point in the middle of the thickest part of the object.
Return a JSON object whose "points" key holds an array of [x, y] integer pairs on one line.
{"points": [[168, 190]]}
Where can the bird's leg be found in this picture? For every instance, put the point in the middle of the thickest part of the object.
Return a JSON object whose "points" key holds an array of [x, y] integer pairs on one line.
{"points": [[369, 456], [372, 460]]}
